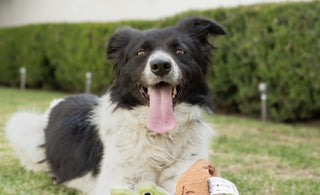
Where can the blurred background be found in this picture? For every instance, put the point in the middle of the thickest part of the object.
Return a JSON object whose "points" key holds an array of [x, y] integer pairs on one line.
{"points": [[269, 41]]}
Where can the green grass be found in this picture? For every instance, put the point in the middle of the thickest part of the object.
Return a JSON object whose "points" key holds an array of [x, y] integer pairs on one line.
{"points": [[259, 157], [267, 158], [13, 178]]}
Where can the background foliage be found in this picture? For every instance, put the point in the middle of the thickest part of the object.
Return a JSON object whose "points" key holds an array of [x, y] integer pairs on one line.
{"points": [[274, 43]]}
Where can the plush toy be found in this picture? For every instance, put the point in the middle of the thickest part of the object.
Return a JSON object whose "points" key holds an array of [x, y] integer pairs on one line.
{"points": [[202, 178], [193, 181]]}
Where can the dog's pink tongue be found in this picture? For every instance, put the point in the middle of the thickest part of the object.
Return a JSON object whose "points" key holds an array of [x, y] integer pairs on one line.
{"points": [[161, 118]]}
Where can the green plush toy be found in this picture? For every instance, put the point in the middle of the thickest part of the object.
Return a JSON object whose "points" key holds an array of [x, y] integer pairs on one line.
{"points": [[143, 189]]}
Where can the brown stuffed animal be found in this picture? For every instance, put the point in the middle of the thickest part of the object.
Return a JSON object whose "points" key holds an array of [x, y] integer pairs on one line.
{"points": [[194, 181]]}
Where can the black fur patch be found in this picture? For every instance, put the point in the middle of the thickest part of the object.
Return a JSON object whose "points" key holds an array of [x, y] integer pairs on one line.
{"points": [[73, 147]]}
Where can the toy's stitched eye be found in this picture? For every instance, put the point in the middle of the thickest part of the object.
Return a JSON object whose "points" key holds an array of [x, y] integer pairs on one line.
{"points": [[179, 51], [141, 52]]}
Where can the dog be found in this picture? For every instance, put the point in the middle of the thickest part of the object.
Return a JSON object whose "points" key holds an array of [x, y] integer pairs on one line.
{"points": [[148, 127]]}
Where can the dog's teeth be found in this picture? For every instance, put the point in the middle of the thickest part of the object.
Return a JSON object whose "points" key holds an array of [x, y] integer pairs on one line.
{"points": [[148, 92], [174, 92]]}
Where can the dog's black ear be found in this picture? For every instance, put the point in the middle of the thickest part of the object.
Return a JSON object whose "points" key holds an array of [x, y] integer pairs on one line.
{"points": [[118, 41], [200, 28]]}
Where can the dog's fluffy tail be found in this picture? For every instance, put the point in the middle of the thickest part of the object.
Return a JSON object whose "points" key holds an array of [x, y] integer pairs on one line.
{"points": [[25, 132]]}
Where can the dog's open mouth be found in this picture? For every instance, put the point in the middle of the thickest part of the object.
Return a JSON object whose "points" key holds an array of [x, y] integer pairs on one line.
{"points": [[161, 98], [145, 92]]}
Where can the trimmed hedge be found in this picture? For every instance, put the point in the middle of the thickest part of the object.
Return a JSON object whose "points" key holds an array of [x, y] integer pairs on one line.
{"points": [[274, 43], [58, 55]]}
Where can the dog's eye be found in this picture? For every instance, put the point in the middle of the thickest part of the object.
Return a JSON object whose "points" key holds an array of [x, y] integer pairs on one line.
{"points": [[180, 51], [141, 52]]}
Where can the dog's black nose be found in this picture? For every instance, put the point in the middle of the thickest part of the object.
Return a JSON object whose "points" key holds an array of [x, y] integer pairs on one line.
{"points": [[160, 67]]}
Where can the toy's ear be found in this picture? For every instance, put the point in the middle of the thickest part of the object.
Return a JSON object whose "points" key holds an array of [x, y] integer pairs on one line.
{"points": [[118, 41], [200, 28]]}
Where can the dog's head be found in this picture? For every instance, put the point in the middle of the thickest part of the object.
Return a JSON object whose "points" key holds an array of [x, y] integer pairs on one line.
{"points": [[162, 67]]}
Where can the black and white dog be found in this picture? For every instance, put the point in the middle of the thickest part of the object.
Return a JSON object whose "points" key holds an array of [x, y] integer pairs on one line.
{"points": [[147, 128]]}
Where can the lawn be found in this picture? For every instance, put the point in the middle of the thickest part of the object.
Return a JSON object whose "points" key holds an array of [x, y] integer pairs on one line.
{"points": [[259, 157]]}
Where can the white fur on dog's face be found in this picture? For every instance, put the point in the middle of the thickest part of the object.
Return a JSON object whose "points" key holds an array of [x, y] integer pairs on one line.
{"points": [[173, 77]]}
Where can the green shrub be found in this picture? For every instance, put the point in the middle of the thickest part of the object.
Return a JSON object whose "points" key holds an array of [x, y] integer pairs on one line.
{"points": [[57, 56], [274, 43], [277, 44]]}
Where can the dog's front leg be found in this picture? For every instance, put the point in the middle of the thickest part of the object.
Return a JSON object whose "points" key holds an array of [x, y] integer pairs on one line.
{"points": [[168, 180], [111, 177], [112, 173], [169, 177]]}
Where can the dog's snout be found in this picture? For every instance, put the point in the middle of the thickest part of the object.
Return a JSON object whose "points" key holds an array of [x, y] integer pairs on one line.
{"points": [[160, 67]]}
